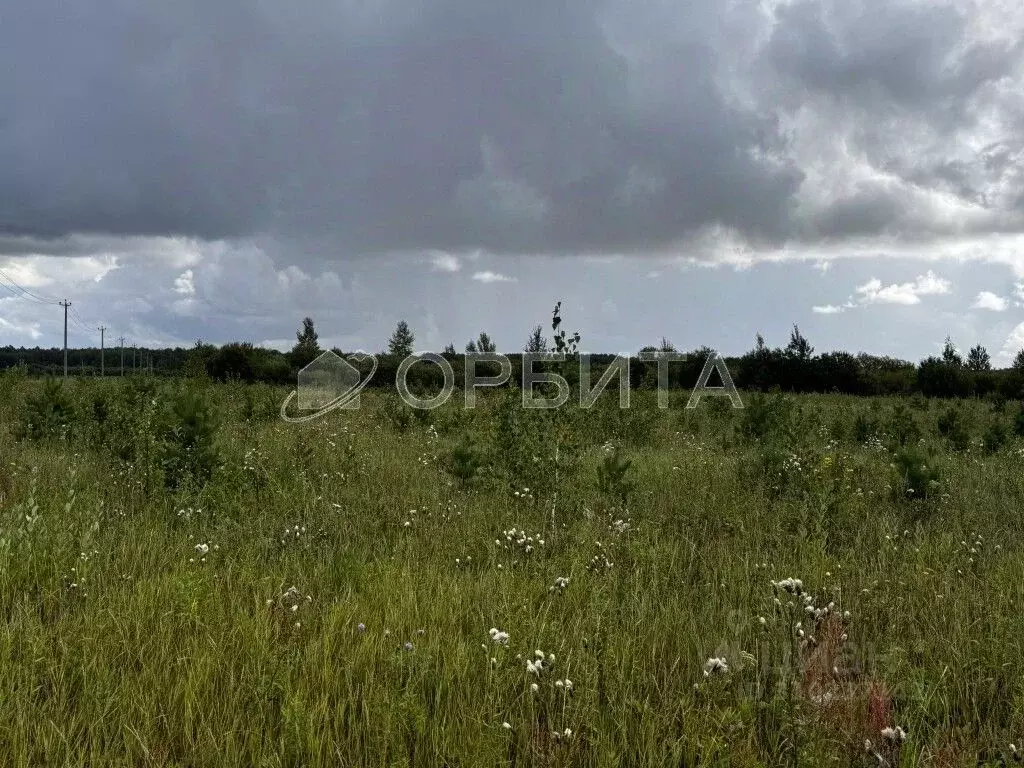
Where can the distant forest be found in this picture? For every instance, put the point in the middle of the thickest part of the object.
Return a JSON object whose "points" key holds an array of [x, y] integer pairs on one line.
{"points": [[793, 368]]}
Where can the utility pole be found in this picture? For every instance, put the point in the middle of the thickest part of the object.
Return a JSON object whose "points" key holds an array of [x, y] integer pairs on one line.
{"points": [[102, 332], [121, 342], [65, 304]]}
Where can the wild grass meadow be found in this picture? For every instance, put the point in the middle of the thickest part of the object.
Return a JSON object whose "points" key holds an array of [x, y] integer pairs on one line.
{"points": [[813, 580]]}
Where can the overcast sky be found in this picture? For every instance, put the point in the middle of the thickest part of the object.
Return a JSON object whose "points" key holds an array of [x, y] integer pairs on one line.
{"points": [[705, 170]]}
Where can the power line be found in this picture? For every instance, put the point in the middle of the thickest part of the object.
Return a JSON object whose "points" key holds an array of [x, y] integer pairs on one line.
{"points": [[26, 291], [22, 292], [13, 292], [89, 329]]}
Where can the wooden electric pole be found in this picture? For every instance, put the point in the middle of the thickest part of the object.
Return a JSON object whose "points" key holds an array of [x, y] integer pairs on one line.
{"points": [[65, 304]]}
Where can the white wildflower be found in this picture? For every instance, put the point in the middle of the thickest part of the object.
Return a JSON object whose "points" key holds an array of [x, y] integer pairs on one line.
{"points": [[715, 665]]}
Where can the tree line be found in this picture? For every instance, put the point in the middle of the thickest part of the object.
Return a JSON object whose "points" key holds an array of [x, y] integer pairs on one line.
{"points": [[792, 368]]}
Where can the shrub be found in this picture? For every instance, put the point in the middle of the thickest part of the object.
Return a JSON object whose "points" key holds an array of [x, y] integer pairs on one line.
{"points": [[464, 461], [187, 450], [1018, 422], [766, 416], [903, 426], [864, 427], [398, 413], [996, 400], [48, 414], [995, 436], [953, 427], [918, 475]]}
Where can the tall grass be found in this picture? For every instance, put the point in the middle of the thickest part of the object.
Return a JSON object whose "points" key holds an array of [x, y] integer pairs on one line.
{"points": [[148, 623]]}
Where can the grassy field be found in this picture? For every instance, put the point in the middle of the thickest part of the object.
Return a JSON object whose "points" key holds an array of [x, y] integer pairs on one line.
{"points": [[186, 580]]}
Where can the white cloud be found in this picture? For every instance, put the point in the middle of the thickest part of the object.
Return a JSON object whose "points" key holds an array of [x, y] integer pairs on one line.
{"points": [[988, 300], [873, 292], [1013, 344], [833, 309], [31, 330], [185, 283], [1018, 294], [492, 277], [445, 262]]}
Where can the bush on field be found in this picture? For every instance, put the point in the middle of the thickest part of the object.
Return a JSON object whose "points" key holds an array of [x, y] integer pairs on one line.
{"points": [[865, 427], [187, 450], [1018, 422], [465, 460], [952, 426], [767, 416], [995, 436], [903, 427], [917, 474], [47, 414]]}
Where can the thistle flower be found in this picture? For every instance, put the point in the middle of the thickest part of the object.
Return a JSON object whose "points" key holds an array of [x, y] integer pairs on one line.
{"points": [[792, 586], [894, 734], [498, 637], [560, 584], [715, 665]]}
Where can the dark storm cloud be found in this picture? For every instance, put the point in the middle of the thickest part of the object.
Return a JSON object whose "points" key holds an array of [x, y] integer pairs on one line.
{"points": [[911, 92], [440, 124], [528, 127], [908, 53]]}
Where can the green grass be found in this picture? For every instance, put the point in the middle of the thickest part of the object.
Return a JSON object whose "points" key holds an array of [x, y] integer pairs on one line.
{"points": [[160, 656]]}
